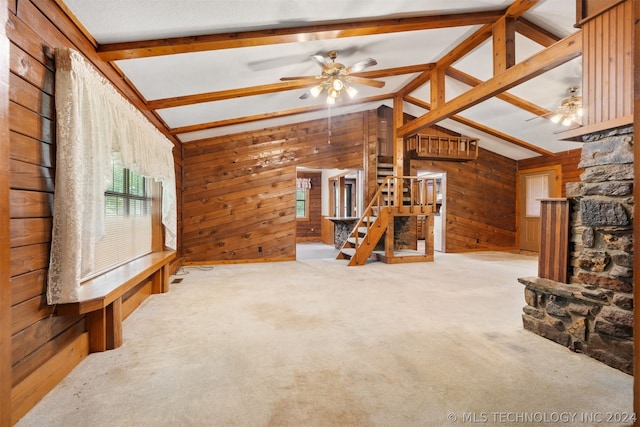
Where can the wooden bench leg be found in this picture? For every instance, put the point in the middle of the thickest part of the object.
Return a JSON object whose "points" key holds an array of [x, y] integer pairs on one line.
{"points": [[160, 280], [105, 327], [114, 324], [96, 326]]}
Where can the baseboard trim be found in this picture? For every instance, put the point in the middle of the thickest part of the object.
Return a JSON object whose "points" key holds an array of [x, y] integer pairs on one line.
{"points": [[33, 388]]}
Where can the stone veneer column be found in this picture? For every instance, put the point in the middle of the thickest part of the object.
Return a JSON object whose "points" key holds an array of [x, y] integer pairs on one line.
{"points": [[594, 313]]}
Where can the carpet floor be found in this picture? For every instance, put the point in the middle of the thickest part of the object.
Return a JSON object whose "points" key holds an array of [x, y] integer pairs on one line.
{"points": [[313, 342]]}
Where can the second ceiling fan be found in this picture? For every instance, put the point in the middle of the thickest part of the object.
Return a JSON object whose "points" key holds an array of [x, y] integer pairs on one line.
{"points": [[335, 78]]}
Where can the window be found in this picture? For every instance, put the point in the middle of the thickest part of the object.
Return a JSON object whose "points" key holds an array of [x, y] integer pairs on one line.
{"points": [[537, 187], [128, 220], [302, 205]]}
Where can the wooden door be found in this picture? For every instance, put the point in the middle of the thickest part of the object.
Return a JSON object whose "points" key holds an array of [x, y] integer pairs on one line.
{"points": [[533, 186]]}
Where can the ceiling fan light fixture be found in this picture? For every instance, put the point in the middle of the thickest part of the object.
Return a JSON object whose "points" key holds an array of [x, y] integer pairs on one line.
{"points": [[335, 78], [570, 110], [315, 91]]}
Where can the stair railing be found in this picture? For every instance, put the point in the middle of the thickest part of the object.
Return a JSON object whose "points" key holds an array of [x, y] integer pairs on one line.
{"points": [[422, 194]]}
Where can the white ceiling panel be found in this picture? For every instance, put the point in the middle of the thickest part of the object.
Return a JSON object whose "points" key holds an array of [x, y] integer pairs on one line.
{"points": [[260, 64]]}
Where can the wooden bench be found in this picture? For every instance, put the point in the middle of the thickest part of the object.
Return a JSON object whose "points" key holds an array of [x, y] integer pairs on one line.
{"points": [[100, 298]]}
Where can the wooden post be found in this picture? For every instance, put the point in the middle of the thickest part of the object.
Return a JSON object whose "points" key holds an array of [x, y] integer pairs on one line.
{"points": [[398, 140], [5, 283], [553, 259], [636, 216]]}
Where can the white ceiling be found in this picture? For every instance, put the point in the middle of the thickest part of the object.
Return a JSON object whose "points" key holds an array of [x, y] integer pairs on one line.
{"points": [[159, 77]]}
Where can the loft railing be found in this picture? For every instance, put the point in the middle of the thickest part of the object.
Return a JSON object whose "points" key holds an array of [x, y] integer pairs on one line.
{"points": [[442, 147]]}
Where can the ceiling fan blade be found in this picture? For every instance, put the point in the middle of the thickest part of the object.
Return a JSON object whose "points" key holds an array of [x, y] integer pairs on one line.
{"points": [[542, 116], [361, 65], [310, 78], [321, 60], [306, 95], [365, 81]]}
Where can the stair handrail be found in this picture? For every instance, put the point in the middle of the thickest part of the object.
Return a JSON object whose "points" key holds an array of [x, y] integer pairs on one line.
{"points": [[379, 201]]}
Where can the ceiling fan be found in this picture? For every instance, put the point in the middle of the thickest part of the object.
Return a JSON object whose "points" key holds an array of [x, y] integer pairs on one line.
{"points": [[335, 78], [569, 111]]}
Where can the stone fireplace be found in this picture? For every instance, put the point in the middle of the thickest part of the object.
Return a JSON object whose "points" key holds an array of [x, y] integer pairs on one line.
{"points": [[593, 313]]}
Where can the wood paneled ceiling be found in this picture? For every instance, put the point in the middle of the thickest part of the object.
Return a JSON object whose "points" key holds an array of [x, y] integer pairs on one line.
{"points": [[487, 69]]}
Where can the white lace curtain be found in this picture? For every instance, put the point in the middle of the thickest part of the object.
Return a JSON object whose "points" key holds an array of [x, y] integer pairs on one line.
{"points": [[303, 183], [95, 125]]}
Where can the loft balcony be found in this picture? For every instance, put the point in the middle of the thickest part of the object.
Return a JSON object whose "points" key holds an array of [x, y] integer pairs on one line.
{"points": [[438, 147]]}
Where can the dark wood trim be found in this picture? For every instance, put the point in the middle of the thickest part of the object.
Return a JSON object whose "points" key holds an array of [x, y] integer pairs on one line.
{"points": [[5, 283]]}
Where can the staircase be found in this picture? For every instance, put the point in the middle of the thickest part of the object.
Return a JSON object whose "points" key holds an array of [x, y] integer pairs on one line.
{"points": [[384, 170], [417, 197]]}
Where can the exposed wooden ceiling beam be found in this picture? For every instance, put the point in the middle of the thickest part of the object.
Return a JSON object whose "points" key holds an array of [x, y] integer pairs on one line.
{"points": [[258, 117], [179, 101], [553, 56], [519, 7], [504, 45], [485, 129], [171, 46], [416, 83], [535, 33], [476, 39], [482, 34], [396, 71], [473, 41], [507, 97]]}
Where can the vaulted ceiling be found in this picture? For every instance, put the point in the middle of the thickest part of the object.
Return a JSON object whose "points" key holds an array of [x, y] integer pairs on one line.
{"points": [[212, 67]]}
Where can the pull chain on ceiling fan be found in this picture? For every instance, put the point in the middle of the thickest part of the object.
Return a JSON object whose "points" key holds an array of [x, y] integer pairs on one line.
{"points": [[335, 78]]}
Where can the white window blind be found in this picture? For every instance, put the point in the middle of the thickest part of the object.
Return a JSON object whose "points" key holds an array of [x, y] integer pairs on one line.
{"points": [[127, 222]]}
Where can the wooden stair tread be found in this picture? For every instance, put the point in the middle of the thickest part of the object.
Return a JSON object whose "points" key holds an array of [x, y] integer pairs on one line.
{"points": [[348, 251]]}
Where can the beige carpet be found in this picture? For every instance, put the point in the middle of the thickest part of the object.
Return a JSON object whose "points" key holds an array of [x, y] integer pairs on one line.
{"points": [[316, 343]]}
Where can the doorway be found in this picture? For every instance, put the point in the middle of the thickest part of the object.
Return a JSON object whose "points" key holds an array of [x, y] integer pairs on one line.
{"points": [[439, 229], [533, 185]]}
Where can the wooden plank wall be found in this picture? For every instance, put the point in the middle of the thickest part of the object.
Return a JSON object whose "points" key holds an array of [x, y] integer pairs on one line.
{"points": [[5, 288], [309, 229], [608, 65], [239, 190], [39, 340], [480, 201], [568, 160]]}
